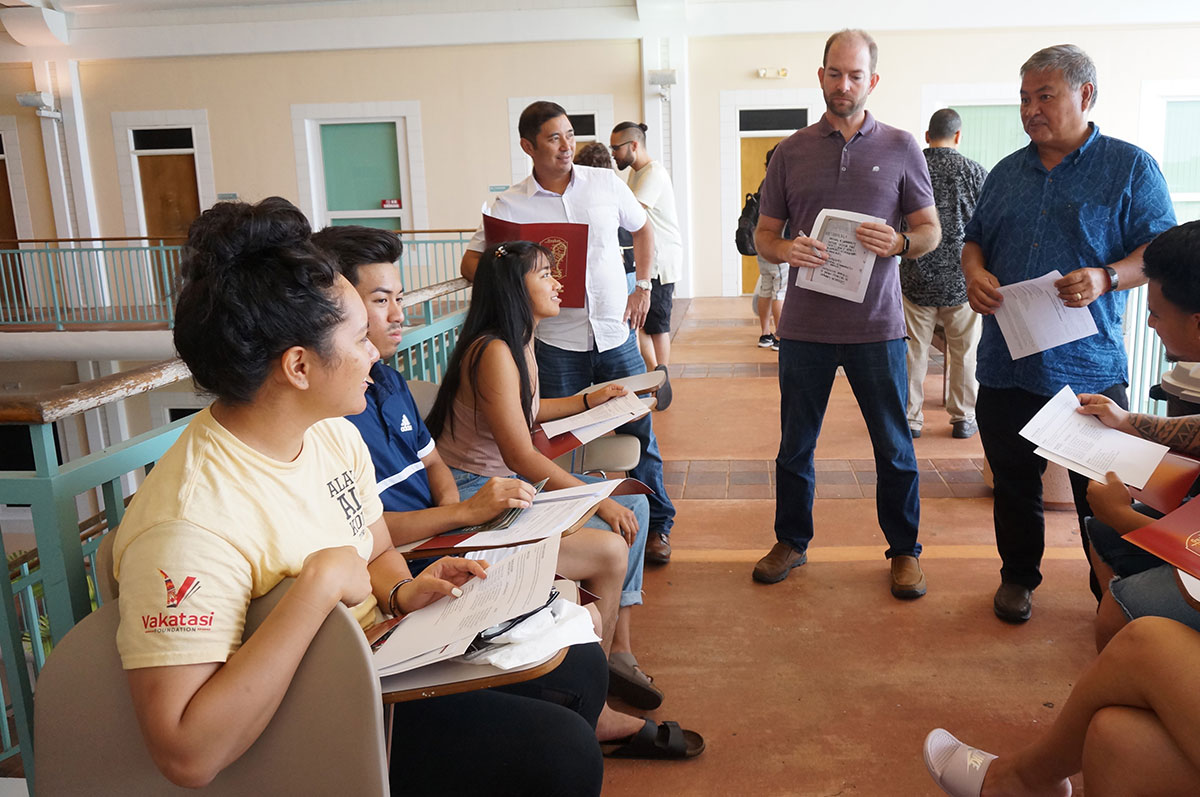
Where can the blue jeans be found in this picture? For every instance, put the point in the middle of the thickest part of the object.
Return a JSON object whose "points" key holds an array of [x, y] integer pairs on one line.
{"points": [[563, 373], [631, 590], [878, 375]]}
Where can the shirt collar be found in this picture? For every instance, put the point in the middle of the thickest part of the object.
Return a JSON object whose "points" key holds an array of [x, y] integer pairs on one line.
{"points": [[1033, 159], [533, 187], [379, 383], [826, 129]]}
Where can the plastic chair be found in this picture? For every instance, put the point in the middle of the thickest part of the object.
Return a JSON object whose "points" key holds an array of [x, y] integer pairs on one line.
{"points": [[326, 738], [613, 452], [424, 394]]}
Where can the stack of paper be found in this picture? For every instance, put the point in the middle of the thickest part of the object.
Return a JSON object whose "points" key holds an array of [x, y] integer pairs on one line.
{"points": [[1082, 443], [597, 421], [443, 629]]}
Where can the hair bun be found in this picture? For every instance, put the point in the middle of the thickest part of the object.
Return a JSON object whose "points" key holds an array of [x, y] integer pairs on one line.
{"points": [[642, 127], [227, 234]]}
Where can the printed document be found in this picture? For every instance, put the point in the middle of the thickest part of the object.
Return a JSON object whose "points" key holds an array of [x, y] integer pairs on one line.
{"points": [[1082, 443], [1033, 318], [611, 414], [847, 272], [514, 586]]}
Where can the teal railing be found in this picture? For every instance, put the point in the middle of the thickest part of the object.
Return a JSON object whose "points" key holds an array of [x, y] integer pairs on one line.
{"points": [[85, 282], [52, 587]]}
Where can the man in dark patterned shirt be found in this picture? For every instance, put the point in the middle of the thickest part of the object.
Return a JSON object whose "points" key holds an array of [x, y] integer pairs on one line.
{"points": [[933, 285]]}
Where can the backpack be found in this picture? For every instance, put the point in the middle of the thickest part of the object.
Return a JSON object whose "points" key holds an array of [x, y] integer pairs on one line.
{"points": [[743, 237]]}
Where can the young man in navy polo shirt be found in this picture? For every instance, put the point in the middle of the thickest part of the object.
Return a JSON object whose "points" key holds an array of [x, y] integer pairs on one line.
{"points": [[416, 487]]}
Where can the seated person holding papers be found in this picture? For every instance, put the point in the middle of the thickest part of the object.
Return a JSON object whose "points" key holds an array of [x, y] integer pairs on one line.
{"points": [[1132, 722], [482, 418], [1137, 583], [269, 482]]}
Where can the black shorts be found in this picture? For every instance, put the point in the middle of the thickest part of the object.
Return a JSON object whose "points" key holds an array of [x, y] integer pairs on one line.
{"points": [[658, 318]]}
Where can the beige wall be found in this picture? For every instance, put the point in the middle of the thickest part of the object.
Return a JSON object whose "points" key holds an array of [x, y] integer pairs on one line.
{"points": [[463, 93], [14, 79], [907, 62]]}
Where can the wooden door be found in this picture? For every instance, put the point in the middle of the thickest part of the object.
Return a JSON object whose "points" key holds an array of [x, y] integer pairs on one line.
{"points": [[170, 196], [754, 169]]}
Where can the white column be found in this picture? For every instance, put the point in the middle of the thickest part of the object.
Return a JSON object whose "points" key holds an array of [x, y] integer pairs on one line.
{"points": [[665, 112]]}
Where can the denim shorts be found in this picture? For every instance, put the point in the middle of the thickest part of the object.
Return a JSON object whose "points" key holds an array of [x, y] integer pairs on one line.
{"points": [[1145, 585]]}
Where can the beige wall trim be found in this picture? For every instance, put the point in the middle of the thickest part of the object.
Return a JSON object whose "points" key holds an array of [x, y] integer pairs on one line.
{"points": [[306, 140], [16, 177], [731, 179], [123, 123]]}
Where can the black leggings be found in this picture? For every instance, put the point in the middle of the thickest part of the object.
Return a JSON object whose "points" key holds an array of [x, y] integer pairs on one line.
{"points": [[534, 737]]}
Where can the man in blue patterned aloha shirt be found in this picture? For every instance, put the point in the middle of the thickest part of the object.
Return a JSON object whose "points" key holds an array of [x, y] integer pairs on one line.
{"points": [[1085, 205]]}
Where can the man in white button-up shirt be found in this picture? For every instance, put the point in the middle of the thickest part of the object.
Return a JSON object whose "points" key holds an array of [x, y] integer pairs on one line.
{"points": [[597, 342]]}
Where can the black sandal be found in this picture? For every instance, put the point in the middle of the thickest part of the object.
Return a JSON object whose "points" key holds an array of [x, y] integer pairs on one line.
{"points": [[663, 741]]}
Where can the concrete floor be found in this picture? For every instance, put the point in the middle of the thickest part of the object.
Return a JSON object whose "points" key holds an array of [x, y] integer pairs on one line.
{"points": [[824, 684]]}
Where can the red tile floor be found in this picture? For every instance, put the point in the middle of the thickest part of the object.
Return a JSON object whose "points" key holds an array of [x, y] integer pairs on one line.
{"points": [[824, 684]]}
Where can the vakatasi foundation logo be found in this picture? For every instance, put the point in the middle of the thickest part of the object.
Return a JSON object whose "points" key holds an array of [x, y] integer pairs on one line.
{"points": [[177, 621]]}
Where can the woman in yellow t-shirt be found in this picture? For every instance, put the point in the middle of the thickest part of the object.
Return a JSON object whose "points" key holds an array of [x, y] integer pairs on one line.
{"points": [[271, 482]]}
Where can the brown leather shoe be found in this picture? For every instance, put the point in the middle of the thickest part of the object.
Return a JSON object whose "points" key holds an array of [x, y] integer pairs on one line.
{"points": [[658, 549], [908, 581], [775, 566], [1013, 603]]}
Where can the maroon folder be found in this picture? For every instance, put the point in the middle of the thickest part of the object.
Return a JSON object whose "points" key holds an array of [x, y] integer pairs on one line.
{"points": [[567, 242]]}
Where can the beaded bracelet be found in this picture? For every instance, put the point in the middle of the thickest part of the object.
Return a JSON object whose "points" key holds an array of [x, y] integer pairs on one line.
{"points": [[391, 601]]}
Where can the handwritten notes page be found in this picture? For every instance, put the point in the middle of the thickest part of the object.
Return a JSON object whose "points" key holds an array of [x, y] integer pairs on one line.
{"points": [[1033, 318], [847, 272], [1085, 445]]}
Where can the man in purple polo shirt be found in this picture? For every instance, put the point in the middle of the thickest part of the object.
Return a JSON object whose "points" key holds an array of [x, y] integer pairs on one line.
{"points": [[846, 161]]}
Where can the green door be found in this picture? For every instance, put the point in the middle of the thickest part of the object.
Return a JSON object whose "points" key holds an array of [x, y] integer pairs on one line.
{"points": [[363, 168]]}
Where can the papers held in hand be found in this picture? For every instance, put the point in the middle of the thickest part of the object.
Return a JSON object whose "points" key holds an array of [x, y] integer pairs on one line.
{"points": [[1033, 318], [847, 272], [443, 629], [1082, 443], [504, 519]]}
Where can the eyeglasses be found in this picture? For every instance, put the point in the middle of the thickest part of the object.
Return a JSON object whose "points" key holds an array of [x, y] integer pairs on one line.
{"points": [[503, 628], [618, 146]]}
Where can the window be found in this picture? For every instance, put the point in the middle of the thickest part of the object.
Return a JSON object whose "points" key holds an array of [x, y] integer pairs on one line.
{"points": [[990, 132], [1181, 157]]}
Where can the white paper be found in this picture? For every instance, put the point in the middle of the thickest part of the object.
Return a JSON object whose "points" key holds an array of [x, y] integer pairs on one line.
{"points": [[513, 586], [623, 409], [1033, 318], [1190, 583], [847, 272], [535, 523], [1085, 445]]}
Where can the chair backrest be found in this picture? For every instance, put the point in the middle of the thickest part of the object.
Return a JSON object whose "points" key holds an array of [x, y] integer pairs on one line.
{"points": [[424, 394], [106, 582], [326, 737]]}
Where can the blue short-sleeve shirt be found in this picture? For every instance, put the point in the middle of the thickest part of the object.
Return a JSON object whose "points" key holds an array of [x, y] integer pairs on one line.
{"points": [[1103, 201], [397, 439]]}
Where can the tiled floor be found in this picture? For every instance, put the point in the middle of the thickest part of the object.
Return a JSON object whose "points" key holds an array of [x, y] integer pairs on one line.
{"points": [[824, 684], [836, 478]]}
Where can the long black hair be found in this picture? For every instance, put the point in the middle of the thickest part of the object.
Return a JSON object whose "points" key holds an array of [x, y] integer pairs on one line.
{"points": [[253, 287], [500, 310]]}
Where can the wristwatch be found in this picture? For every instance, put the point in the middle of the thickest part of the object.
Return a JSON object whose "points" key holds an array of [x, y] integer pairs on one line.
{"points": [[904, 249], [1114, 279], [643, 285]]}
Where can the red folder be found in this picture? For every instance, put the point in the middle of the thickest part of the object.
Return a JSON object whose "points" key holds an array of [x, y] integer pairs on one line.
{"points": [[1170, 482], [554, 447], [567, 241], [1174, 538]]}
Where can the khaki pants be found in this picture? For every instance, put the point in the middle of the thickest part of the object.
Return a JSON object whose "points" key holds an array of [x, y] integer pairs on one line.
{"points": [[962, 327]]}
